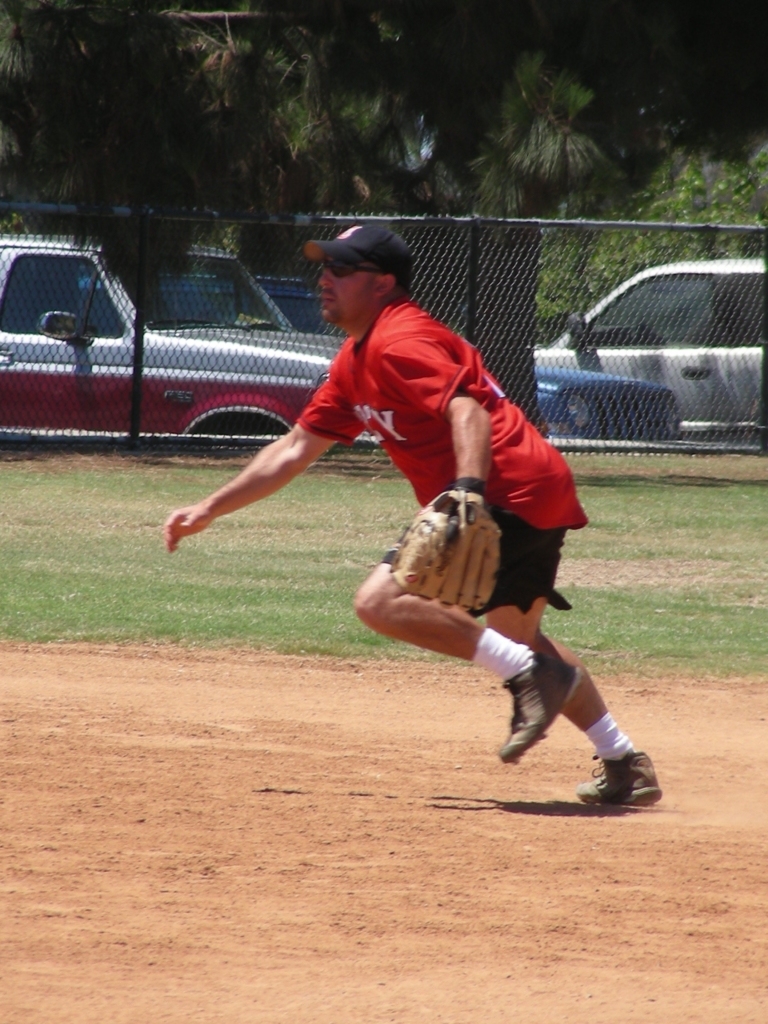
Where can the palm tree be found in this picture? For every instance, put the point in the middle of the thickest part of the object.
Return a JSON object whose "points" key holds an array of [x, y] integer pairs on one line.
{"points": [[537, 157]]}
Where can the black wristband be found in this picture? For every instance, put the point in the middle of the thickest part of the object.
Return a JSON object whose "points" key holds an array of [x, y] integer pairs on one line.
{"points": [[471, 483]]}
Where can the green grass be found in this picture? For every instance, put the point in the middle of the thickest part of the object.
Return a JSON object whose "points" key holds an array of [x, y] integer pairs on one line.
{"points": [[81, 559]]}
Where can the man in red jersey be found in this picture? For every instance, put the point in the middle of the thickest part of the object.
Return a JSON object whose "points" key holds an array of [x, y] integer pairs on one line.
{"points": [[425, 395]]}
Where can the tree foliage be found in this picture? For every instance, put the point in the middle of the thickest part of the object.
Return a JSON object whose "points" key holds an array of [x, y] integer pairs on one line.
{"points": [[537, 156], [697, 188], [414, 106], [122, 104]]}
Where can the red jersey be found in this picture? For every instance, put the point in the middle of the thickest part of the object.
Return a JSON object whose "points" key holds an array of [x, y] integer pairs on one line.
{"points": [[397, 382]]}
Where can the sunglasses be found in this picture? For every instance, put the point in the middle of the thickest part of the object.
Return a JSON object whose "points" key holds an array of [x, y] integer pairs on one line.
{"points": [[339, 269]]}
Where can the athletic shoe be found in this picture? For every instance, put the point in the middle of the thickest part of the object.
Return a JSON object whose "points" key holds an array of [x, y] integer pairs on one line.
{"points": [[538, 695], [627, 780]]}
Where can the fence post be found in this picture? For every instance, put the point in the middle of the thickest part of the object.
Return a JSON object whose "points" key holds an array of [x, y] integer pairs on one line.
{"points": [[138, 329], [763, 420], [472, 253], [506, 275]]}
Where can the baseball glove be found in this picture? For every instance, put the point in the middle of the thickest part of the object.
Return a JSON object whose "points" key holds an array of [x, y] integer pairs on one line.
{"points": [[450, 551]]}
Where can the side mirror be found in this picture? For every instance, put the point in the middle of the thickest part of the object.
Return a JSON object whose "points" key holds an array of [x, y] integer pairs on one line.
{"points": [[577, 327], [62, 327]]}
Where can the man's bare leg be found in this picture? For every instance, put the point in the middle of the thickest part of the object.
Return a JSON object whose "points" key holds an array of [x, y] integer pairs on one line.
{"points": [[628, 776], [387, 609], [383, 606], [540, 682], [586, 706]]}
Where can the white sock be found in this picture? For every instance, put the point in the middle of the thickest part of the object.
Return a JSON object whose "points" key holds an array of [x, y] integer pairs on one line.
{"points": [[501, 655], [610, 742]]}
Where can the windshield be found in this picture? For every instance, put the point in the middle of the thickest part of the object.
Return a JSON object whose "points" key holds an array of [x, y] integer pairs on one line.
{"points": [[300, 306], [211, 293]]}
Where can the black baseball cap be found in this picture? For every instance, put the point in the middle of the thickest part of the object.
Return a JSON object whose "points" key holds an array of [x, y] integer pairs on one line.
{"points": [[367, 243]]}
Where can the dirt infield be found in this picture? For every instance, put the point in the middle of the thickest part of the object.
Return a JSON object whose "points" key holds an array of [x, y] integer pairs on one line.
{"points": [[237, 837]]}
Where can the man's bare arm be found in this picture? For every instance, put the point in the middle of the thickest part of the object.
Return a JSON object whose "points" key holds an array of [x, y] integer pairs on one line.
{"points": [[471, 433], [273, 468]]}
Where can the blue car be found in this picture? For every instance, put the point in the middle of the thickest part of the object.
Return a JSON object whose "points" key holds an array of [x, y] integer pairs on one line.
{"points": [[577, 404], [599, 406], [296, 301]]}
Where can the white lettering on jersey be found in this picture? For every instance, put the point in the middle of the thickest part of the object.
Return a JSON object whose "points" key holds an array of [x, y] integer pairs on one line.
{"points": [[374, 418]]}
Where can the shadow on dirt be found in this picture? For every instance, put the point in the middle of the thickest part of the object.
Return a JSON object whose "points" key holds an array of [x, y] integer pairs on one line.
{"points": [[549, 808]]}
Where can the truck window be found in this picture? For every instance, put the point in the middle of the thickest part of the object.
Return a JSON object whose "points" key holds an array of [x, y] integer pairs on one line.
{"points": [[738, 310], [42, 284], [211, 292], [664, 311]]}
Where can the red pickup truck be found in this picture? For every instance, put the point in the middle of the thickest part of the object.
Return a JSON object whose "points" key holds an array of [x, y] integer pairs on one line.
{"points": [[220, 357]]}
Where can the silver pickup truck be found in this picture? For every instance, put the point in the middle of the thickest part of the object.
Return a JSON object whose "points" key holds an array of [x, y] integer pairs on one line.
{"points": [[696, 327]]}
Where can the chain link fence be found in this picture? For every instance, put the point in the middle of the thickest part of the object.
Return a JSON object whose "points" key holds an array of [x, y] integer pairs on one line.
{"points": [[145, 327]]}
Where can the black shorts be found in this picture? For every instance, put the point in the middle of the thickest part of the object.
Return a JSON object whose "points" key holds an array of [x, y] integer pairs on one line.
{"points": [[528, 566]]}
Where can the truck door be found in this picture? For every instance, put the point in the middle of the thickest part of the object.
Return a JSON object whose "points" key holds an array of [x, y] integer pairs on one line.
{"points": [[50, 383]]}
